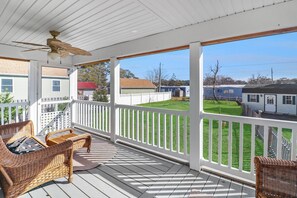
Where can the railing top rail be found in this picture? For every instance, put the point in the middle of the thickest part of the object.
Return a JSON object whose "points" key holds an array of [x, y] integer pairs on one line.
{"points": [[14, 104], [155, 110], [251, 120], [92, 102], [56, 102]]}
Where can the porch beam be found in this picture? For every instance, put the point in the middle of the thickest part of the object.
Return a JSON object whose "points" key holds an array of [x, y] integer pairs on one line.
{"points": [[196, 105], [114, 97], [73, 92], [34, 95]]}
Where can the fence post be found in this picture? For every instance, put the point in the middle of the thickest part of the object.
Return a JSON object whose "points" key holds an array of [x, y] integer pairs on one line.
{"points": [[196, 105], [114, 97]]}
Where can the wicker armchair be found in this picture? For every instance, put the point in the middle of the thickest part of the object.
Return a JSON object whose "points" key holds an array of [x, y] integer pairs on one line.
{"points": [[275, 178], [21, 173]]}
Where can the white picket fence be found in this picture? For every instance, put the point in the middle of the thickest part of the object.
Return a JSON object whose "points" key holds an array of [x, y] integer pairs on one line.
{"points": [[137, 98], [13, 112], [141, 98]]}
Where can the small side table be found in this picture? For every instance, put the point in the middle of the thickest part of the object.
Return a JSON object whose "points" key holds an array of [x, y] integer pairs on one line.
{"points": [[79, 140]]}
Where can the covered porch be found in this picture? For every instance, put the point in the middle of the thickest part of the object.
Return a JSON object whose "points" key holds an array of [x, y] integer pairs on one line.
{"points": [[176, 148]]}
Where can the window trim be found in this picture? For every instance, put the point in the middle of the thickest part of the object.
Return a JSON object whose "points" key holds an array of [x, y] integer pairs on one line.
{"points": [[292, 100], [249, 98], [56, 85], [12, 84]]}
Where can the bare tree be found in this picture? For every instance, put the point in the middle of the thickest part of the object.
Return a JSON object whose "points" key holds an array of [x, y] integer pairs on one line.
{"points": [[214, 74], [157, 76]]}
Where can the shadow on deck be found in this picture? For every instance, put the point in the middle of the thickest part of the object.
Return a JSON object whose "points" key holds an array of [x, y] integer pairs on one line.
{"points": [[132, 173]]}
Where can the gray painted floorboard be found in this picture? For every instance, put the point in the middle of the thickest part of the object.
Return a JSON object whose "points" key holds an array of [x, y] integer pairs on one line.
{"points": [[133, 173]]}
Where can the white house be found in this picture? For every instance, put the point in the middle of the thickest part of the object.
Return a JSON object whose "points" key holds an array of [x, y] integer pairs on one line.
{"points": [[272, 98], [14, 80]]}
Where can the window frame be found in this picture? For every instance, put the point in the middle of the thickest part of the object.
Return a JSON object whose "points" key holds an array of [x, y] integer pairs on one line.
{"points": [[53, 86], [255, 98], [12, 85], [289, 100]]}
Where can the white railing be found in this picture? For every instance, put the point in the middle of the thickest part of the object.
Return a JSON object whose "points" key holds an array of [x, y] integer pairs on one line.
{"points": [[231, 142], [160, 130], [55, 115], [91, 115], [13, 112]]}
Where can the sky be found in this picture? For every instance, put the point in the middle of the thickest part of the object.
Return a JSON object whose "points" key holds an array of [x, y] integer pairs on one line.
{"points": [[239, 59]]}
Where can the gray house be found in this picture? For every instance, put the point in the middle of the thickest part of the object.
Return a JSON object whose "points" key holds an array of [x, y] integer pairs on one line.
{"points": [[14, 80], [272, 98]]}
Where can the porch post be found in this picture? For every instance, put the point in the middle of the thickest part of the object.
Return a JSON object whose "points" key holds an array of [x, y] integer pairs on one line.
{"points": [[73, 92], [114, 96], [34, 95], [196, 104]]}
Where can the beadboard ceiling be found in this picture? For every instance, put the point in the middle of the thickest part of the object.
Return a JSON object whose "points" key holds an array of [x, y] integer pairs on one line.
{"points": [[93, 24]]}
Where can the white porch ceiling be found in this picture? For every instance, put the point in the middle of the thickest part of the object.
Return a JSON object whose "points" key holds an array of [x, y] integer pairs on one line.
{"points": [[93, 24]]}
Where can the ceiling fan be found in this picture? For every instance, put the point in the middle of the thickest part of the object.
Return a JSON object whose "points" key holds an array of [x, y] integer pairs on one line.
{"points": [[56, 47]]}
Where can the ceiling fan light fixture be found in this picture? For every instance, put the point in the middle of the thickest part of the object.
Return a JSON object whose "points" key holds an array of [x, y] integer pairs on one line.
{"points": [[53, 55]]}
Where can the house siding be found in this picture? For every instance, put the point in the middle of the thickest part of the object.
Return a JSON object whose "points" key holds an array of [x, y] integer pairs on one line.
{"points": [[285, 108], [20, 87], [254, 105], [131, 91], [47, 91]]}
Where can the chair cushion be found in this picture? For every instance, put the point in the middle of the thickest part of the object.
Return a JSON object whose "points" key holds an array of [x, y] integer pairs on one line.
{"points": [[24, 145]]}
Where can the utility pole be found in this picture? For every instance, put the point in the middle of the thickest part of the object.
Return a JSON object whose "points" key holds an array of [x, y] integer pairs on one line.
{"points": [[272, 75], [160, 77]]}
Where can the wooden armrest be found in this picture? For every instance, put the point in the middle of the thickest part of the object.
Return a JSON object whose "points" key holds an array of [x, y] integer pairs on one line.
{"points": [[59, 131], [79, 137]]}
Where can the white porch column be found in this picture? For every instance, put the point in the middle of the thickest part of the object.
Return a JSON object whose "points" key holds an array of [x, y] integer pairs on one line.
{"points": [[73, 92], [196, 104], [114, 96], [34, 95]]}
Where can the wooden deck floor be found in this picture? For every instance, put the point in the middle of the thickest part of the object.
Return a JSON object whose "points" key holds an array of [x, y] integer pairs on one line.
{"points": [[135, 174]]}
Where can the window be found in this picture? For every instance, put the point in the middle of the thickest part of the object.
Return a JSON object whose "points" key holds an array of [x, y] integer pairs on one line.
{"points": [[289, 100], [253, 98], [6, 85], [270, 100], [56, 85]]}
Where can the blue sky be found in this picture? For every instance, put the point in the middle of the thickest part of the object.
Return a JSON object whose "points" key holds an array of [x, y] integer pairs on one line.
{"points": [[239, 59]]}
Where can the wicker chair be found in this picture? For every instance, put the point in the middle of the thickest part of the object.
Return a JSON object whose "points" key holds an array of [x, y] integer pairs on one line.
{"points": [[21, 173], [275, 178]]}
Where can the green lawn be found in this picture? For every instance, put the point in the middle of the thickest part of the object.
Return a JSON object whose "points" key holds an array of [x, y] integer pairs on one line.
{"points": [[224, 107]]}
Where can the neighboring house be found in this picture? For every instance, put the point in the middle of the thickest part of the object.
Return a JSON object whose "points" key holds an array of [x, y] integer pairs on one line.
{"points": [[173, 89], [272, 98], [14, 80], [86, 88], [130, 86], [224, 92]]}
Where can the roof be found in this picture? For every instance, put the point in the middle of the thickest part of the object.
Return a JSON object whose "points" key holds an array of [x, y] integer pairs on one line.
{"points": [[271, 88], [86, 86], [226, 86], [130, 83], [14, 67]]}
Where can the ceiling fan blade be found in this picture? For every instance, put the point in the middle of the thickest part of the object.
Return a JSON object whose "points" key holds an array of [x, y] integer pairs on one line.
{"points": [[26, 43], [60, 44], [29, 50], [63, 53], [78, 51], [69, 48]]}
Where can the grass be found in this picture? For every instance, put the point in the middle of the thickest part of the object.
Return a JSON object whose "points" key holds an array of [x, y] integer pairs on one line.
{"points": [[223, 107]]}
